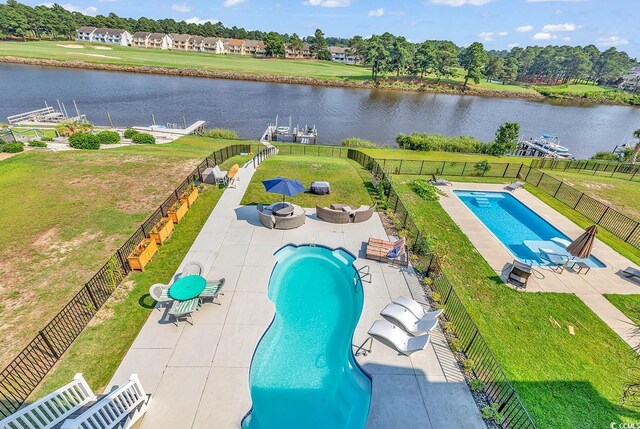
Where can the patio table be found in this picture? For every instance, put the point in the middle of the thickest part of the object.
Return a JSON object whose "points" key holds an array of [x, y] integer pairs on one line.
{"points": [[281, 209], [186, 288]]}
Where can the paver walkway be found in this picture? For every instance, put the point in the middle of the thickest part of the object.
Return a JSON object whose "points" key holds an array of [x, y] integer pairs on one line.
{"points": [[199, 375], [589, 288]]}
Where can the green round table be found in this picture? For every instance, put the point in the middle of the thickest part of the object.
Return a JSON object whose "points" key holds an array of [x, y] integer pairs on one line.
{"points": [[187, 288]]}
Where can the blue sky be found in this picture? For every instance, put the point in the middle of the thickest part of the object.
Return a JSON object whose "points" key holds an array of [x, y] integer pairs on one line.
{"points": [[498, 24]]}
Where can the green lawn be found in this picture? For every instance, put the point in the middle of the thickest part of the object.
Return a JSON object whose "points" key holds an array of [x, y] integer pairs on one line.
{"points": [[100, 348], [68, 211], [564, 381], [628, 304], [120, 55], [343, 175], [404, 154]]}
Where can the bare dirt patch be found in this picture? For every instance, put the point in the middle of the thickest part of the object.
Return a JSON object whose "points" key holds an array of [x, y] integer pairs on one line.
{"points": [[92, 55], [103, 48], [71, 46]]}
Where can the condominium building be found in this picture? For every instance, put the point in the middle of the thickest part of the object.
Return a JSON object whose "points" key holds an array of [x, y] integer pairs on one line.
{"points": [[256, 48], [233, 46], [159, 41], [85, 34], [343, 55], [140, 39], [180, 42], [213, 45]]}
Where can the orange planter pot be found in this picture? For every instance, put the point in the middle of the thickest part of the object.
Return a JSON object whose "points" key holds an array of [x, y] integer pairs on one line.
{"points": [[178, 213], [189, 199], [138, 262], [163, 233]]}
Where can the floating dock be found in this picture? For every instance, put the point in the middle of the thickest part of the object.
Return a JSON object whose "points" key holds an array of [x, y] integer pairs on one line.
{"points": [[196, 128], [304, 135], [46, 117]]}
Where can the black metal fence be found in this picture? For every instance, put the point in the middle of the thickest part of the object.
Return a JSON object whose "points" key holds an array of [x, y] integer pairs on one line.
{"points": [[23, 374], [620, 225], [497, 387], [303, 149], [263, 154], [619, 170]]}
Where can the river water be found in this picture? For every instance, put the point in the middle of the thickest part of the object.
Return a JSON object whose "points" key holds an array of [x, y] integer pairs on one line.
{"points": [[377, 115]]}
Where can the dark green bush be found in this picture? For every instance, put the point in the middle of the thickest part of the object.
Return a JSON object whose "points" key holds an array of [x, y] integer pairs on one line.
{"points": [[358, 142], [607, 156], [108, 137], [37, 143], [13, 147], [46, 139], [143, 138], [84, 141], [425, 190], [128, 134], [438, 142], [221, 133]]}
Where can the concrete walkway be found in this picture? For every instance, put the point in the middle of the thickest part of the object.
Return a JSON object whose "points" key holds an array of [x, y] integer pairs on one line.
{"points": [[588, 287], [199, 375]]}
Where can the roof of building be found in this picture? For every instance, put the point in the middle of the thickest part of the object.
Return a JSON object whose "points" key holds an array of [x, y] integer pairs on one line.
{"points": [[211, 40], [180, 37], [306, 47], [141, 34], [115, 31], [256, 43], [196, 39], [157, 36], [86, 29], [338, 50], [233, 42]]}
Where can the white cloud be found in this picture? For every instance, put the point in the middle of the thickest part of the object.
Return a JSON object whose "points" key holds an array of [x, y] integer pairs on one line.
{"points": [[612, 41], [503, 33], [566, 39], [487, 36], [397, 13], [544, 36], [524, 28], [512, 45], [553, 28], [556, 1], [232, 3], [196, 20], [182, 8], [91, 10], [458, 3], [376, 12], [328, 3]]}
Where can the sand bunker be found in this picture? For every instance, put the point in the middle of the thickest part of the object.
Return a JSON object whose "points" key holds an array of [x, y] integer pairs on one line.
{"points": [[92, 55], [104, 48], [72, 46]]}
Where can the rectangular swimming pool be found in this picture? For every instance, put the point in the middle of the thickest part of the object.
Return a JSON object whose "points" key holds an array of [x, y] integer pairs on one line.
{"points": [[520, 229]]}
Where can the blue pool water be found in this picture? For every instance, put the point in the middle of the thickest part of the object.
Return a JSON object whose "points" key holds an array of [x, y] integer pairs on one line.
{"points": [[520, 229], [303, 373]]}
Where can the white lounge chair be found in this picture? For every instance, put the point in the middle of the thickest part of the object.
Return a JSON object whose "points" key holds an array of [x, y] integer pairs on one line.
{"points": [[192, 268], [513, 186], [160, 293], [408, 320], [180, 309], [212, 290], [219, 176], [417, 309], [557, 261], [631, 272], [403, 342]]}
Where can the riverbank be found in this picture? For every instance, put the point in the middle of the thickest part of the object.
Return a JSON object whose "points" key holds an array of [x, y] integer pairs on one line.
{"points": [[273, 70]]}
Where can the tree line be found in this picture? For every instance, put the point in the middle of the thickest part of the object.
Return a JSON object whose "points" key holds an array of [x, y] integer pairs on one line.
{"points": [[385, 54]]}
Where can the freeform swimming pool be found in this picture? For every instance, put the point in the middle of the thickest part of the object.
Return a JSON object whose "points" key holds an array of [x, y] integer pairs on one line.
{"points": [[303, 373], [518, 227]]}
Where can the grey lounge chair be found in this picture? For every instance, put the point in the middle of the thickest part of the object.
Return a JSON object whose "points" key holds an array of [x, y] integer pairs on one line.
{"points": [[408, 320], [192, 269], [183, 309], [417, 309], [212, 290], [333, 215], [438, 182], [403, 342], [513, 186], [160, 293], [557, 261], [631, 272]]}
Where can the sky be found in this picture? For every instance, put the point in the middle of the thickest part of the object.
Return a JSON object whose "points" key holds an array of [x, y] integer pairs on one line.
{"points": [[499, 24]]}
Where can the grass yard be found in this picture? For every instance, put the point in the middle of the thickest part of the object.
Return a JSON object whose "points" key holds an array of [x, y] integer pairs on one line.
{"points": [[100, 348], [68, 212], [343, 175], [564, 381], [628, 304], [121, 55], [414, 155]]}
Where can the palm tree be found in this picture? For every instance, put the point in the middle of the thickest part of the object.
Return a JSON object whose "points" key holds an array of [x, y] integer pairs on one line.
{"points": [[636, 149], [71, 126]]}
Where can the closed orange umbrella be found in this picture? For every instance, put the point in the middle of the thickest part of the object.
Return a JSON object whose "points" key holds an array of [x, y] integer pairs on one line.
{"points": [[582, 246]]}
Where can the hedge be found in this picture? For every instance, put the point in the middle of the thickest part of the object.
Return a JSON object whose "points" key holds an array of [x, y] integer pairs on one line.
{"points": [[143, 138], [129, 133], [13, 147], [84, 141], [108, 137], [37, 143]]}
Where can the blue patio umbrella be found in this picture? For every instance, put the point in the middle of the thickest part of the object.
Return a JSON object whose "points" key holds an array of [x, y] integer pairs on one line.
{"points": [[283, 186]]}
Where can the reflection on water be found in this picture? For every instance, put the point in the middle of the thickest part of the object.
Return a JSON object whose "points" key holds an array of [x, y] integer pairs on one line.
{"points": [[377, 115]]}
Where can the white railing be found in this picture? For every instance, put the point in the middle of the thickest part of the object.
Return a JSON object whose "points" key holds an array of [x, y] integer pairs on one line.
{"points": [[120, 408], [53, 408]]}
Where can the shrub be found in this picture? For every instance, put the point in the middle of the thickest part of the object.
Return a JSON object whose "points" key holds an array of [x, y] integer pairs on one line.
{"points": [[607, 156], [491, 413], [129, 133], [438, 142], [468, 365], [358, 142], [476, 385], [108, 137], [221, 133], [84, 141], [506, 140], [13, 147], [46, 139], [425, 190], [436, 296], [455, 344], [143, 138], [37, 143], [481, 167]]}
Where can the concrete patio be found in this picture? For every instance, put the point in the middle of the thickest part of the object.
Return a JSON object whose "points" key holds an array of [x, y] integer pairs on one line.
{"points": [[199, 375], [588, 287]]}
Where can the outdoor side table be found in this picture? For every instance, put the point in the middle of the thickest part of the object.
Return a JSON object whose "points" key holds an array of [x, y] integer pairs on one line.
{"points": [[186, 288], [581, 266]]}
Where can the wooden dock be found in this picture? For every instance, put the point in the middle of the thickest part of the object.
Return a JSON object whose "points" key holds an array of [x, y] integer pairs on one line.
{"points": [[197, 128]]}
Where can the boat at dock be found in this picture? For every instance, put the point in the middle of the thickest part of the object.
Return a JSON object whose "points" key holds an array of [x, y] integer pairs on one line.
{"points": [[297, 134], [545, 146]]}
